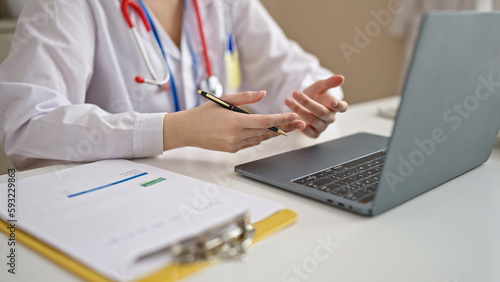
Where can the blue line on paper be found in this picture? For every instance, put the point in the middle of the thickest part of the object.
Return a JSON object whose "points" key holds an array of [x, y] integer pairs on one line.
{"points": [[107, 185]]}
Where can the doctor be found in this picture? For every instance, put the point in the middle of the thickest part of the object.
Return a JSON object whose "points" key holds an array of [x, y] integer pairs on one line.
{"points": [[77, 87]]}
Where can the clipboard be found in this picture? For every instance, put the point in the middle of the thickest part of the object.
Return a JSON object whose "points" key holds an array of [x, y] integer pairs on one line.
{"points": [[172, 272]]}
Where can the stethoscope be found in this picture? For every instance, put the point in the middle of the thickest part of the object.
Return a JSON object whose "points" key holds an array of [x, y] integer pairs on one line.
{"points": [[211, 84]]}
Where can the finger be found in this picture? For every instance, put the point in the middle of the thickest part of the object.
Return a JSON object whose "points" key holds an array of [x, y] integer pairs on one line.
{"points": [[317, 109], [325, 84], [235, 143], [266, 121], [289, 127], [244, 98], [311, 131], [305, 114], [260, 135], [333, 103], [298, 124], [252, 141], [342, 107]]}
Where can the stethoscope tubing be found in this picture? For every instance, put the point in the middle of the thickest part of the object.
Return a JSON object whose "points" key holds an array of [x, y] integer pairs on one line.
{"points": [[203, 38], [212, 82], [125, 5], [159, 45], [155, 80]]}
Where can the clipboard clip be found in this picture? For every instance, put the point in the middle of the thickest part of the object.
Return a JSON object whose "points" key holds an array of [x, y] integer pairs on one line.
{"points": [[232, 244]]}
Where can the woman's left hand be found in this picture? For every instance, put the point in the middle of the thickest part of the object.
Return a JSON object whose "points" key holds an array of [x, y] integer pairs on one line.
{"points": [[316, 107]]}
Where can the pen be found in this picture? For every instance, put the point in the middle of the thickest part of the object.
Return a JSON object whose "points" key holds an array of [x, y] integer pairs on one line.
{"points": [[233, 108]]}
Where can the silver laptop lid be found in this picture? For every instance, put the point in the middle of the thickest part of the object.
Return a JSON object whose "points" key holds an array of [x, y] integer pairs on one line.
{"points": [[449, 115]]}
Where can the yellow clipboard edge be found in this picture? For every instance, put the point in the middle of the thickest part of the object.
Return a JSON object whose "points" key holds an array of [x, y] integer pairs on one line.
{"points": [[274, 223], [173, 272], [263, 228], [47, 251]]}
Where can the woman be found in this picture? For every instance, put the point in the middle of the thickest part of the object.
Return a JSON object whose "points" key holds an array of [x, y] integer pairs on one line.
{"points": [[68, 90]]}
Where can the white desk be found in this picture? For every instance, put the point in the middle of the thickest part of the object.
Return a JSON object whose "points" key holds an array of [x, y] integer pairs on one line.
{"points": [[451, 233]]}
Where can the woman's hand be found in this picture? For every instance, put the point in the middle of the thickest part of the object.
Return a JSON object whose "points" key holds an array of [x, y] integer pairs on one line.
{"points": [[213, 127], [316, 107]]}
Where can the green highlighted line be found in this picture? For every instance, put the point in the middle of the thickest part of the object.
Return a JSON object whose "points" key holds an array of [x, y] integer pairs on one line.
{"points": [[153, 182]]}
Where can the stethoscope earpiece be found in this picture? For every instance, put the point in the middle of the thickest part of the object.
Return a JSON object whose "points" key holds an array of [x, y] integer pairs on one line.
{"points": [[140, 79]]}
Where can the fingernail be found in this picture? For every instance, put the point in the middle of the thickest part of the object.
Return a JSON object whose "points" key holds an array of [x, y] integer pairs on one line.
{"points": [[335, 104], [297, 94], [293, 118]]}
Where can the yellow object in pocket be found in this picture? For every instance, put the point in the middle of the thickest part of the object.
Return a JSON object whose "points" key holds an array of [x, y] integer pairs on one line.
{"points": [[233, 69]]}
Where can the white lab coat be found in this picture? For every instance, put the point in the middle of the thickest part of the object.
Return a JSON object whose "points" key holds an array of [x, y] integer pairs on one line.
{"points": [[67, 89]]}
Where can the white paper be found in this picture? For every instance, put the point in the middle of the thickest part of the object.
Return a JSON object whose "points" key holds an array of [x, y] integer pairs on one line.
{"points": [[101, 215]]}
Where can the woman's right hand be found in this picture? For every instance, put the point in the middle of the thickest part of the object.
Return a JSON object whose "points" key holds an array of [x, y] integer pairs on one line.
{"points": [[213, 127]]}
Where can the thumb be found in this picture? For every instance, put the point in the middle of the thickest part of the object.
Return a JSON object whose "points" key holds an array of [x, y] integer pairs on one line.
{"points": [[248, 97]]}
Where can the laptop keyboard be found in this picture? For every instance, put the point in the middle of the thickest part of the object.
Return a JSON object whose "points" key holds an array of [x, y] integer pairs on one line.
{"points": [[356, 180]]}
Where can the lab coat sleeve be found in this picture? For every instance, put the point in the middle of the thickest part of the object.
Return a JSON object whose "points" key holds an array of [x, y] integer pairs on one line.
{"points": [[43, 115], [270, 61]]}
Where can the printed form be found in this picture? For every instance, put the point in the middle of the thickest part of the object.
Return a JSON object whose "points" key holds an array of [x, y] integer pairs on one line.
{"points": [[110, 213]]}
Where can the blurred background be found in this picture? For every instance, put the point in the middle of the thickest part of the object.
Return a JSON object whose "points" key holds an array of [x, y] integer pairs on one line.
{"points": [[375, 63], [372, 67]]}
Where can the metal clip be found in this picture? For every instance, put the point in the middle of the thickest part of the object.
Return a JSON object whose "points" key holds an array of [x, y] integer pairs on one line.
{"points": [[232, 244]]}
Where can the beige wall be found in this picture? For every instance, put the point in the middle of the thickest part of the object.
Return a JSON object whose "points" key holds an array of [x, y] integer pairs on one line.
{"points": [[321, 26]]}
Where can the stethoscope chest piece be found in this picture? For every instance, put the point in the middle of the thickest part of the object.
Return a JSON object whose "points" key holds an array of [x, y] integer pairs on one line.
{"points": [[212, 85]]}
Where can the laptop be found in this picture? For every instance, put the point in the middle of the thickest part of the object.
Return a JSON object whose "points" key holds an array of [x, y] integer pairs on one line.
{"points": [[447, 125]]}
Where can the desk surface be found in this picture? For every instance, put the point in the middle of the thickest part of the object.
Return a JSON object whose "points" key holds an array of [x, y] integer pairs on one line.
{"points": [[447, 234]]}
